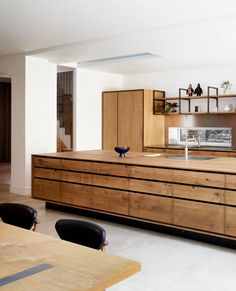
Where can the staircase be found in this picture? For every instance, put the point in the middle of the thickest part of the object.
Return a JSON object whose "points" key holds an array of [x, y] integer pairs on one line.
{"points": [[63, 139]]}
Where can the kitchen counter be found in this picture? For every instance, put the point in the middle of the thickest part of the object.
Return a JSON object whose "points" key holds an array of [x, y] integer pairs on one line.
{"points": [[190, 195], [201, 148], [218, 164]]}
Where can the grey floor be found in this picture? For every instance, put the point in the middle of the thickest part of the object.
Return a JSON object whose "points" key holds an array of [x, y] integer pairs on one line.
{"points": [[169, 263]]}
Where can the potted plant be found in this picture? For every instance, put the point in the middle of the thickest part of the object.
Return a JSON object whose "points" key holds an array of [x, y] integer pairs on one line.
{"points": [[170, 107], [226, 86]]}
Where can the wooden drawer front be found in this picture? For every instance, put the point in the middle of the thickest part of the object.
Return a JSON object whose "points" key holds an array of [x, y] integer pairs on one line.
{"points": [[96, 168], [199, 215], [199, 193], [151, 173], [232, 154], [47, 173], [98, 180], [199, 178], [93, 197], [76, 194], [47, 162], [230, 197], [44, 189], [230, 181], [114, 201], [160, 188], [151, 207], [230, 221]]}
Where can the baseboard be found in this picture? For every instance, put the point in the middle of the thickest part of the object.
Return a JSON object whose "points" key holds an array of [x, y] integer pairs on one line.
{"points": [[20, 190]]}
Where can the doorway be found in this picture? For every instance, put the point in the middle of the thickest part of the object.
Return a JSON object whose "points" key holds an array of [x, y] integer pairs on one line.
{"points": [[64, 111], [5, 130]]}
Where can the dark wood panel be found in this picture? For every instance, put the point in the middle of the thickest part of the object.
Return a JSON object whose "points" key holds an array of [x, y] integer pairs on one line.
{"points": [[5, 122]]}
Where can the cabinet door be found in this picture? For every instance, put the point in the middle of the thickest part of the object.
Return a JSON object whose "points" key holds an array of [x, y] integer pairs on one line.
{"points": [[109, 120], [197, 215], [130, 119]]}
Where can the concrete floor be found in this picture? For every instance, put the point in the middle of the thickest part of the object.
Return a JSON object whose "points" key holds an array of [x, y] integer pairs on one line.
{"points": [[169, 263]]}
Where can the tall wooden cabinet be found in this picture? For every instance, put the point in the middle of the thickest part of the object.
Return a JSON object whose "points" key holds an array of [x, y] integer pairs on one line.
{"points": [[128, 120]]}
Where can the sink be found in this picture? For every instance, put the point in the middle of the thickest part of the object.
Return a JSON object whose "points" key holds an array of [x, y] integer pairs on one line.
{"points": [[182, 157]]}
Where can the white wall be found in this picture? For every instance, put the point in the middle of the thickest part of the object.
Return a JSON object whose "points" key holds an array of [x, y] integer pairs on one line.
{"points": [[40, 110], [33, 127], [171, 81], [88, 106], [14, 67]]}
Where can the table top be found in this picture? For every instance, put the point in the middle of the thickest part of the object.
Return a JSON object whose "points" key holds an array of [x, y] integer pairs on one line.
{"points": [[48, 263]]}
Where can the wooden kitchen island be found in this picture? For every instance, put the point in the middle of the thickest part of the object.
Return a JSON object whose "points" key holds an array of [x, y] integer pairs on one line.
{"points": [[198, 196]]}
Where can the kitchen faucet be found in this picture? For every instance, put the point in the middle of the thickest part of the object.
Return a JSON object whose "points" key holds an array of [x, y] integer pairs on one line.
{"points": [[186, 145]]}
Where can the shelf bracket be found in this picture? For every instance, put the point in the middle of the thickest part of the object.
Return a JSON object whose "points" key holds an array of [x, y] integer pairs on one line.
{"points": [[208, 99]]}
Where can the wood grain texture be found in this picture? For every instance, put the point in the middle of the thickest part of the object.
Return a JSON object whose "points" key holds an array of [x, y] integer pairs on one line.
{"points": [[109, 120], [130, 119], [199, 215], [151, 207], [75, 267], [230, 221]]}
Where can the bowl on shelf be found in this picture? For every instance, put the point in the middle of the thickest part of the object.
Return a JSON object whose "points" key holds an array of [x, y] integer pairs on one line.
{"points": [[121, 151]]}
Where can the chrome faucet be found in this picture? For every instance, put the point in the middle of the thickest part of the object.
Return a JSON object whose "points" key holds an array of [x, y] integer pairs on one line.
{"points": [[186, 146]]}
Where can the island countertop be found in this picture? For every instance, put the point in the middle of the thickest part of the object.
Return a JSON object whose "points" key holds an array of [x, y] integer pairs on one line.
{"points": [[217, 164]]}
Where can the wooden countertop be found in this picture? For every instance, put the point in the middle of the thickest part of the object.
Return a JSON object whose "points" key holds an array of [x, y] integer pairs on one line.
{"points": [[218, 164], [71, 266], [195, 148]]}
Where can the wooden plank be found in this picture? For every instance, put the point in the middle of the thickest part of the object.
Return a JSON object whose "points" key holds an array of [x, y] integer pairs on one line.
{"points": [[230, 181], [151, 207], [93, 167], [199, 178], [75, 194], [151, 173], [230, 197], [199, 193], [230, 221], [150, 187], [46, 162], [109, 120], [197, 215], [52, 174], [98, 180], [130, 119], [48, 190]]}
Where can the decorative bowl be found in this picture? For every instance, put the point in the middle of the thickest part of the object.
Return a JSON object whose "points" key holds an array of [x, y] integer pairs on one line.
{"points": [[121, 151]]}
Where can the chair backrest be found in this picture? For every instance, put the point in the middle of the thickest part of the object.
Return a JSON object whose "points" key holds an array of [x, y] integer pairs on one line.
{"points": [[20, 215], [81, 232]]}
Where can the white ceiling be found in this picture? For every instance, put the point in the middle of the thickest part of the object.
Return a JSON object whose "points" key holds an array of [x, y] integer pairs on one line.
{"points": [[184, 33]]}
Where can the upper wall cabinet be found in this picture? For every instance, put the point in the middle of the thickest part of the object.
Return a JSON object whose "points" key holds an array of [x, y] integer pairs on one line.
{"points": [[128, 120]]}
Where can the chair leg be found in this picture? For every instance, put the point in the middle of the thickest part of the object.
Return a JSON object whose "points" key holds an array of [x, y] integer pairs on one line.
{"points": [[35, 226]]}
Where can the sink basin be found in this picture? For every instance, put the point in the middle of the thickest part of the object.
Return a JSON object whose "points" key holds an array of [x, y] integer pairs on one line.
{"points": [[182, 157]]}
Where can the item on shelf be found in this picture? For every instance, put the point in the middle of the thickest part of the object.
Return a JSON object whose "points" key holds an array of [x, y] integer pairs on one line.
{"points": [[198, 91], [196, 109], [170, 107], [190, 90], [228, 108], [226, 86], [121, 151], [215, 109]]}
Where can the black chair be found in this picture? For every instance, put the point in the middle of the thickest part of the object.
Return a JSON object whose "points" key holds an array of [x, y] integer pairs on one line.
{"points": [[20, 215], [82, 232]]}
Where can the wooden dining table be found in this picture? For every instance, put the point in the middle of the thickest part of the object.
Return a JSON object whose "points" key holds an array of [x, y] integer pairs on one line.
{"points": [[35, 261]]}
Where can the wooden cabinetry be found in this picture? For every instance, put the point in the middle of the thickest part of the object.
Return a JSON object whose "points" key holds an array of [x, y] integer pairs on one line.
{"points": [[183, 198], [127, 120]]}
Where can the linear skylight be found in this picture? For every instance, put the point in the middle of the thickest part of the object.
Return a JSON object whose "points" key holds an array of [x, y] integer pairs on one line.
{"points": [[118, 59]]}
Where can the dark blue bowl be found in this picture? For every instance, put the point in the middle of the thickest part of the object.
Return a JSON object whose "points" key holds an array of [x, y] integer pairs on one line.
{"points": [[121, 151]]}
